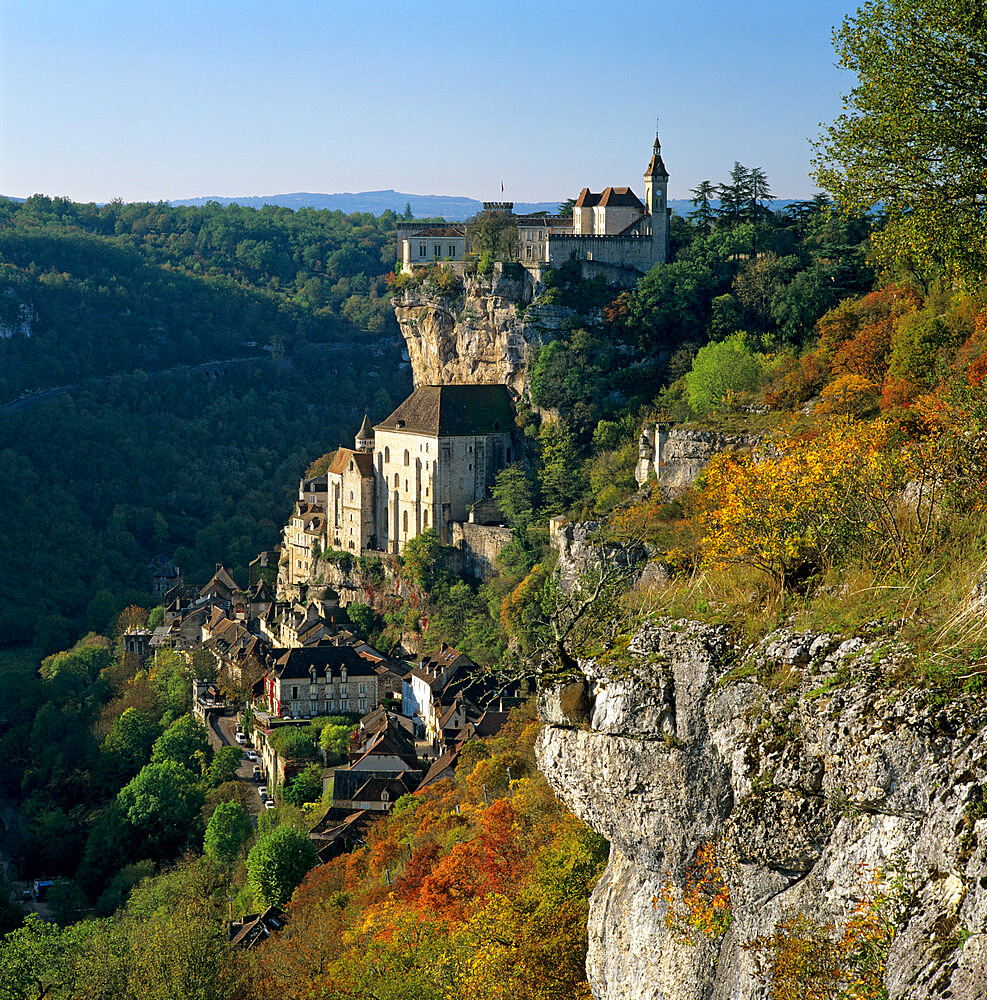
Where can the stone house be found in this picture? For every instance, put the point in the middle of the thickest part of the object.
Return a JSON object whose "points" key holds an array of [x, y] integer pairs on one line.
{"points": [[319, 680], [421, 243], [351, 499], [303, 539]]}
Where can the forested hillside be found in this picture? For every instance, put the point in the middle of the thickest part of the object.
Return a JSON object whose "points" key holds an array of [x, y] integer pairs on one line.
{"points": [[140, 453], [89, 290]]}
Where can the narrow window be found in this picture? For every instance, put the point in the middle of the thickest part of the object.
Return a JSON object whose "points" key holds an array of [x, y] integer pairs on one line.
{"points": [[422, 249], [387, 454], [407, 457], [405, 522]]}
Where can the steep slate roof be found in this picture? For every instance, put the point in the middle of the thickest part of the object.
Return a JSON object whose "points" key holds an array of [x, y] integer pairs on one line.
{"points": [[317, 484], [290, 663], [586, 199], [656, 166], [364, 459], [366, 431], [454, 410]]}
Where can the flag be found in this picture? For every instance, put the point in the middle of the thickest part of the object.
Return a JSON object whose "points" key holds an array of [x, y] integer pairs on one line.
{"points": [[501, 187]]}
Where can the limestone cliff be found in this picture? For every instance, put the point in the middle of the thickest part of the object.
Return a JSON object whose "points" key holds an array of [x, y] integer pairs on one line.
{"points": [[799, 783], [483, 334], [676, 456]]}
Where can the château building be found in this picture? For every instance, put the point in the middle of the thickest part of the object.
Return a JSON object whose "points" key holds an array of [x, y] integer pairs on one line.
{"points": [[613, 227]]}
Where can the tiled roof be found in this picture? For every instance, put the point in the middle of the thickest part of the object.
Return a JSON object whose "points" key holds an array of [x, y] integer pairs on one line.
{"points": [[586, 199], [656, 166], [620, 197], [454, 410], [364, 460]]}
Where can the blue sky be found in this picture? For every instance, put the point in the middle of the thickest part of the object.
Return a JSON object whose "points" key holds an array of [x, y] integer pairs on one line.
{"points": [[148, 99]]}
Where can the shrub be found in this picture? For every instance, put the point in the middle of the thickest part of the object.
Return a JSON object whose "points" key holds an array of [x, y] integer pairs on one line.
{"points": [[720, 371]]}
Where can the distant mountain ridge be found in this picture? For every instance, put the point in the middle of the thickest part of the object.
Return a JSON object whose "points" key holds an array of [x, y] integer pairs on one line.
{"points": [[423, 206], [375, 202]]}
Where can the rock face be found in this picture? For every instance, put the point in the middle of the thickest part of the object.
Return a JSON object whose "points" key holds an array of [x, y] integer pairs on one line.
{"points": [[677, 456], [805, 787], [485, 334]]}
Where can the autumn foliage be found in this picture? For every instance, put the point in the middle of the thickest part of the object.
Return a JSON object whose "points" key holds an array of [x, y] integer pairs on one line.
{"points": [[476, 888], [702, 905]]}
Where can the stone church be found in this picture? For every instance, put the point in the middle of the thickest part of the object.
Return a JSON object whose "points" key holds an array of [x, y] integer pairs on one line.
{"points": [[424, 466]]}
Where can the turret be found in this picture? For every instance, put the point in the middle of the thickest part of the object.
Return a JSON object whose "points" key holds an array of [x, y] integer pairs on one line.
{"points": [[365, 435]]}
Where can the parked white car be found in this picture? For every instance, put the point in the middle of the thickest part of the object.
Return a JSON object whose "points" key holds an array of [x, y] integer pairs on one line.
{"points": [[241, 739], [269, 804], [251, 755]]}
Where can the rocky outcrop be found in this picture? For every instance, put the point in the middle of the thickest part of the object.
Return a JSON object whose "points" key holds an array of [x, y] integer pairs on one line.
{"points": [[676, 456], [484, 334], [806, 785], [582, 555]]}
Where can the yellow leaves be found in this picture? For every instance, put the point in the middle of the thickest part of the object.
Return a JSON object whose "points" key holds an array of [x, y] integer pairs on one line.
{"points": [[792, 508], [804, 959], [703, 905]]}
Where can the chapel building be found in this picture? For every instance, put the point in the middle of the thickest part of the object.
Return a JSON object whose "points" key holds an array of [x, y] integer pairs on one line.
{"points": [[422, 467]]}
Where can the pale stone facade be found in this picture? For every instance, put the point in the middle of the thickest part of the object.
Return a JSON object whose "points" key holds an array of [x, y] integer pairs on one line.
{"points": [[612, 227], [436, 455]]}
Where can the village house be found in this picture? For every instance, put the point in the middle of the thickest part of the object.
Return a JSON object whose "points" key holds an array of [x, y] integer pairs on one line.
{"points": [[319, 680], [304, 536], [449, 698]]}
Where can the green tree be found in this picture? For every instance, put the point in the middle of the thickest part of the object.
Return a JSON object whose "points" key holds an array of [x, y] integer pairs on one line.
{"points": [[420, 558], [335, 740], [735, 195], [277, 863], [560, 473], [229, 828], [40, 961], [185, 742], [66, 901], [127, 747], [162, 806], [224, 766], [514, 492], [719, 371], [704, 215], [913, 136], [306, 786]]}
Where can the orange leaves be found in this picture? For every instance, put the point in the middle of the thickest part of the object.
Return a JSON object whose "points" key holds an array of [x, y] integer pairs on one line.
{"points": [[804, 959], [703, 905]]}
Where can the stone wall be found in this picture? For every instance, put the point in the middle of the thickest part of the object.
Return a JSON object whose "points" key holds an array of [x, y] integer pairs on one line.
{"points": [[480, 545], [637, 252], [676, 456]]}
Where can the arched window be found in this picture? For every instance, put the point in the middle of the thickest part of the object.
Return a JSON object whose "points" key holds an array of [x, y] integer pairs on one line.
{"points": [[351, 496], [424, 518], [407, 457], [404, 521], [397, 481], [406, 486], [387, 454]]}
